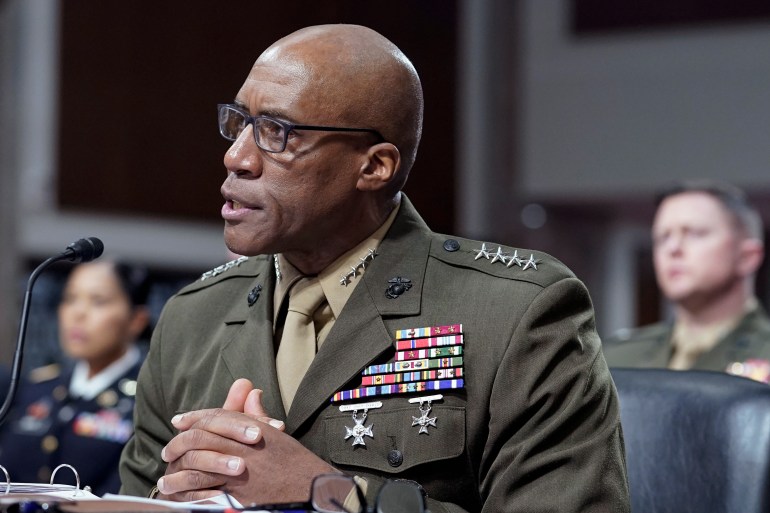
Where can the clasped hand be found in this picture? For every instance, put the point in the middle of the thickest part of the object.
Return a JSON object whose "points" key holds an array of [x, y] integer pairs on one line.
{"points": [[238, 449]]}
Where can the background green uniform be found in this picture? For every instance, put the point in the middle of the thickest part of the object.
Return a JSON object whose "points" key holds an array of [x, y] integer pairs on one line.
{"points": [[650, 346]]}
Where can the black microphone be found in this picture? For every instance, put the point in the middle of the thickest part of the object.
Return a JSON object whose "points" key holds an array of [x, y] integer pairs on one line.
{"points": [[83, 250]]}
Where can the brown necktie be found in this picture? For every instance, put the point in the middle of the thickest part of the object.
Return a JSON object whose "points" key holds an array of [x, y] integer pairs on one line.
{"points": [[298, 341]]}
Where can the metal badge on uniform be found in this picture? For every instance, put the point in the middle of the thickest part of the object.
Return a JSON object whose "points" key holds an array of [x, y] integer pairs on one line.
{"points": [[254, 295], [357, 269], [425, 406], [223, 268], [427, 358], [107, 399], [127, 386], [59, 393], [753, 368], [397, 286], [359, 430]]}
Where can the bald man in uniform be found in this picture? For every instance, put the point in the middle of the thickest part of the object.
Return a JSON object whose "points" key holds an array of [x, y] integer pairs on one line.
{"points": [[512, 405]]}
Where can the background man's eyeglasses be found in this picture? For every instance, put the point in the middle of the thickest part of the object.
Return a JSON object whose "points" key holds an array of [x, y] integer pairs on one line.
{"points": [[269, 134]]}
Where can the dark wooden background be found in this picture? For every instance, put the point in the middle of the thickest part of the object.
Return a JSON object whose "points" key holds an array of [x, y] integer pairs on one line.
{"points": [[140, 81]]}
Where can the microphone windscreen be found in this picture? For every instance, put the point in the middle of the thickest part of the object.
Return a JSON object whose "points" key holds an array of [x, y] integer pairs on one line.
{"points": [[85, 250]]}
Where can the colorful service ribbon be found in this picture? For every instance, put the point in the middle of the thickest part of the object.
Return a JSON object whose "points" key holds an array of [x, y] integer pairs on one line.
{"points": [[426, 359]]}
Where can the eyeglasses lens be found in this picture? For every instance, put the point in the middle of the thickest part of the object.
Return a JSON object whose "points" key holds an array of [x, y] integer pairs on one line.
{"points": [[336, 494], [231, 122], [400, 497], [270, 134]]}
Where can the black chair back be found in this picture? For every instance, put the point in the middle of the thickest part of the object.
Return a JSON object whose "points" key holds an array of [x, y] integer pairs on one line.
{"points": [[696, 441]]}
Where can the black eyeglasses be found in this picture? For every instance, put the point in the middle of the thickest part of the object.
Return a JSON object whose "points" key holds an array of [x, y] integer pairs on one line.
{"points": [[338, 493], [269, 134]]}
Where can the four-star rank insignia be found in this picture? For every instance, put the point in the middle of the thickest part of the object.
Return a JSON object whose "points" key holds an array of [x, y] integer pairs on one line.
{"points": [[505, 258]]}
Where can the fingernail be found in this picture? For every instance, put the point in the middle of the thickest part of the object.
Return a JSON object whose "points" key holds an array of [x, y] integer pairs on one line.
{"points": [[161, 488], [277, 424], [252, 433], [234, 463], [163, 454], [177, 419]]}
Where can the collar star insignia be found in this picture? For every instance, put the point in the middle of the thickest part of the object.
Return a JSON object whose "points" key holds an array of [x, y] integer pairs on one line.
{"points": [[359, 431], [530, 263], [357, 269], [424, 421], [224, 267], [498, 256], [514, 259], [483, 252]]}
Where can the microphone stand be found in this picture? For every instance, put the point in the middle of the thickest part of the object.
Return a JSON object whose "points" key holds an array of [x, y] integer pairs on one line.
{"points": [[74, 254], [18, 355]]}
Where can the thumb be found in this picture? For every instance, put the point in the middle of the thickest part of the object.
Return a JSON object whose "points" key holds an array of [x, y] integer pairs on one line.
{"points": [[255, 408], [253, 404], [236, 397]]}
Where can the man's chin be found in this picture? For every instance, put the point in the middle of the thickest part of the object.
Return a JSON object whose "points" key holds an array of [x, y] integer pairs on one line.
{"points": [[239, 246], [678, 294]]}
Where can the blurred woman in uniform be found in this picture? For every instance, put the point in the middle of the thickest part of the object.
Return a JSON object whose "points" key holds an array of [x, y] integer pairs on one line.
{"points": [[81, 414]]}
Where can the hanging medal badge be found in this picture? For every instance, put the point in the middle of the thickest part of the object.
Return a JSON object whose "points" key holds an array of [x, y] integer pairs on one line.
{"points": [[425, 406], [359, 430]]}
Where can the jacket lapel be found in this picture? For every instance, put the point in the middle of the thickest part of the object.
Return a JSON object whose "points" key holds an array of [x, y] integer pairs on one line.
{"points": [[250, 353], [359, 336]]}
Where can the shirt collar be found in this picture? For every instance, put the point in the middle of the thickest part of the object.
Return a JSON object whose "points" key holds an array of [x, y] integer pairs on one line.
{"points": [[82, 386], [336, 288], [684, 338]]}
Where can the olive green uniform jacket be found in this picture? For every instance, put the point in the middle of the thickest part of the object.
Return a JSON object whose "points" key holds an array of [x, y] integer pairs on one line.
{"points": [[650, 346], [535, 429]]}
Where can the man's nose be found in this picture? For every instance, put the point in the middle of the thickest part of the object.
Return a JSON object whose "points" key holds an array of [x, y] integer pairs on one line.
{"points": [[674, 243], [244, 156]]}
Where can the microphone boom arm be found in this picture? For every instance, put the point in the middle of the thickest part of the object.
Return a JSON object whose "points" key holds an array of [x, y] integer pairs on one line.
{"points": [[83, 250]]}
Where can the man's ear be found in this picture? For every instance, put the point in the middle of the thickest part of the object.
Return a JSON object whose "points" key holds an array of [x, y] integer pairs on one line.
{"points": [[751, 256], [382, 163]]}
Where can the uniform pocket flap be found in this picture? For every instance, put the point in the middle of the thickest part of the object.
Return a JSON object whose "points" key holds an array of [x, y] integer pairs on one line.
{"points": [[396, 443]]}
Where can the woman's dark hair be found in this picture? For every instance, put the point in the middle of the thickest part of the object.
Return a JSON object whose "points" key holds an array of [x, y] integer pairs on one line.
{"points": [[134, 280]]}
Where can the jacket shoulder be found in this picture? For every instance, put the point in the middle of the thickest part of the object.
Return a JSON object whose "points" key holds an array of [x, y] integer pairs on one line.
{"points": [[234, 270], [43, 374], [498, 260], [642, 334]]}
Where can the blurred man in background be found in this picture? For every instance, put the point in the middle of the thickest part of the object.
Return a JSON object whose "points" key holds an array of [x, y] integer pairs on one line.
{"points": [[707, 248]]}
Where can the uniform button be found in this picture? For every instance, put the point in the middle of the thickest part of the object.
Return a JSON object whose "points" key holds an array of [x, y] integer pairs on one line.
{"points": [[66, 413], [49, 444], [60, 393], [107, 399], [127, 386], [395, 458], [451, 245]]}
